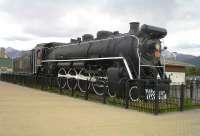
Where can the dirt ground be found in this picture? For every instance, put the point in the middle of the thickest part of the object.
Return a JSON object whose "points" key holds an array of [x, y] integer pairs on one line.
{"points": [[29, 112]]}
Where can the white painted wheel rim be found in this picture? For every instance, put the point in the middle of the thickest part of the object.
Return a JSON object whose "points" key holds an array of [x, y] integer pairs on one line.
{"points": [[68, 84], [112, 96], [65, 73], [96, 92], [94, 89], [130, 92], [79, 86]]}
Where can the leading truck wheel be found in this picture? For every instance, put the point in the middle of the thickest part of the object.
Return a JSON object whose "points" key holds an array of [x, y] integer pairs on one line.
{"points": [[61, 80], [133, 93]]}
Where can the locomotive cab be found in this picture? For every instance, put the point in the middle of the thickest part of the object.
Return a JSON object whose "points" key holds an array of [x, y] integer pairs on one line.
{"points": [[38, 56]]}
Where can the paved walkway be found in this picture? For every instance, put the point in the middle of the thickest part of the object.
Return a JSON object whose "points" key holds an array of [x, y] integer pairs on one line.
{"points": [[29, 112]]}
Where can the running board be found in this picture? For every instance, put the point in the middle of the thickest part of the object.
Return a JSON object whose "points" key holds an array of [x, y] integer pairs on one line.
{"points": [[96, 59]]}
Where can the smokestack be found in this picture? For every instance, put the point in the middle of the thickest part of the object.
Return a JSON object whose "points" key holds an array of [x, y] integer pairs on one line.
{"points": [[134, 28]]}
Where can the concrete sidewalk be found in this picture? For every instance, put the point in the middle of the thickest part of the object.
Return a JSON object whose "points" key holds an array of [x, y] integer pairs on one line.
{"points": [[29, 112]]}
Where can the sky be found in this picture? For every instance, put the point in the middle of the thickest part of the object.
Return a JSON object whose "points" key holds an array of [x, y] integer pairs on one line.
{"points": [[25, 23]]}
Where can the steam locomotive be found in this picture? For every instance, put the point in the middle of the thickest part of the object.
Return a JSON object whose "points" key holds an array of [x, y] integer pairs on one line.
{"points": [[104, 62]]}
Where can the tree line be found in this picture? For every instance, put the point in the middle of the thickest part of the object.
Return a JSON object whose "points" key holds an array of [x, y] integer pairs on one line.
{"points": [[192, 71]]}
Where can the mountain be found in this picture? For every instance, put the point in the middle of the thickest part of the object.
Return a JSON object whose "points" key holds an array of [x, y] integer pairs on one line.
{"points": [[184, 57], [194, 60], [190, 59], [12, 53]]}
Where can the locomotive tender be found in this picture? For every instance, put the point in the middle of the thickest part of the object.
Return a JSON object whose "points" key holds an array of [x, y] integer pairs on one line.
{"points": [[105, 61]]}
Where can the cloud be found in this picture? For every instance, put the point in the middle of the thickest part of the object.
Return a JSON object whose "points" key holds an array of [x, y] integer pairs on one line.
{"points": [[17, 38], [44, 20], [155, 12], [186, 46]]}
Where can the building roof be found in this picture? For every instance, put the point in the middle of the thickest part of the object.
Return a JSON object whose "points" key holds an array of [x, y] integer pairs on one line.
{"points": [[6, 62], [176, 63]]}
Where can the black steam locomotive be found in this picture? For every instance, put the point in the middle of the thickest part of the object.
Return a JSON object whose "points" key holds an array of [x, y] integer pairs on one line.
{"points": [[105, 61]]}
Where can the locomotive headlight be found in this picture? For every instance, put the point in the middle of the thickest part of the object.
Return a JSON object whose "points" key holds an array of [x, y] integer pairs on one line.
{"points": [[157, 51], [157, 46]]}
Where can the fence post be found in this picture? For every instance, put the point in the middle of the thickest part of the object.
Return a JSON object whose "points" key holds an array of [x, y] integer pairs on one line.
{"points": [[73, 87], [60, 87], [104, 94], [41, 82], [45, 82], [191, 89], [35, 81], [126, 94], [182, 98], [51, 86], [87, 90], [156, 108]]}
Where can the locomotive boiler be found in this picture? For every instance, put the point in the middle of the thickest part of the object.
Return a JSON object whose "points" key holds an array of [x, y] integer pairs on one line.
{"points": [[104, 62]]}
